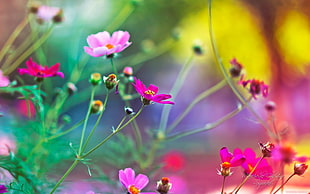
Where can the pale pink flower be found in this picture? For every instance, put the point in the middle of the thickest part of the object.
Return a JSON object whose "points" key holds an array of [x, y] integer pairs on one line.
{"points": [[47, 13], [7, 145]]}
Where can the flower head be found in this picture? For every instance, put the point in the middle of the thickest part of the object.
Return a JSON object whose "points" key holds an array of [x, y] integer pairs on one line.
{"points": [[46, 13], [287, 154], [111, 81], [263, 171], [164, 185], [102, 43], [132, 183], [96, 106], [229, 160], [300, 169], [236, 68], [4, 81], [39, 71], [150, 94], [256, 87]]}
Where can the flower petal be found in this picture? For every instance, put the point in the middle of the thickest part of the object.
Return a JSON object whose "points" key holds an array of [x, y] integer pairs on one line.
{"points": [[120, 37], [141, 181], [237, 160], [153, 88], [226, 156]]}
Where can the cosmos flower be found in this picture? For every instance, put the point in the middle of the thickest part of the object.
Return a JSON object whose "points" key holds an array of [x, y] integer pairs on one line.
{"points": [[39, 71], [102, 43], [150, 94], [133, 184], [257, 87], [4, 81], [263, 171], [229, 160]]}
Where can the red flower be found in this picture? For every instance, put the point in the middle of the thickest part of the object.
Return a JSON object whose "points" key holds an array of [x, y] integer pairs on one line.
{"points": [[39, 71], [150, 94]]}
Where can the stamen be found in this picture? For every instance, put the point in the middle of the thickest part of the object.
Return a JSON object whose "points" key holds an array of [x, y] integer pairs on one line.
{"points": [[134, 190], [109, 46], [150, 92]]}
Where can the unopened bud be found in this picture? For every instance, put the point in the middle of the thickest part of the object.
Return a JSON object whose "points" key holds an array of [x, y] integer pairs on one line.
{"points": [[71, 88], [267, 149], [197, 48], [236, 68], [95, 79], [300, 169], [163, 186], [96, 106], [128, 71], [129, 111], [111, 81], [58, 17]]}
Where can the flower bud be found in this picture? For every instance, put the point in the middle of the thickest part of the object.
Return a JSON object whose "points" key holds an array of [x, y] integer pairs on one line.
{"points": [[71, 88], [128, 71], [58, 17], [300, 169], [111, 81], [95, 79], [267, 149], [270, 106], [225, 169], [96, 107], [129, 111], [236, 68], [197, 48], [163, 186]]}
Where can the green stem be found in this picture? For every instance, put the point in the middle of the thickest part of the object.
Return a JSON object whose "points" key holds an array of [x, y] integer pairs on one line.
{"points": [[120, 18], [114, 67], [207, 127], [284, 183], [13, 36], [28, 52], [200, 97], [174, 91], [65, 175], [66, 131], [137, 134], [118, 129], [248, 176], [86, 119], [225, 74], [97, 123]]}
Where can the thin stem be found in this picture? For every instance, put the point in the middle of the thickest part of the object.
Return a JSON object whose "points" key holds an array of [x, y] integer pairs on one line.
{"points": [[200, 97], [225, 74], [248, 176], [281, 187], [28, 52], [121, 17], [65, 175], [118, 129], [137, 134], [113, 67], [223, 184], [13, 36], [86, 119], [207, 127], [174, 91], [97, 123], [66, 131]]}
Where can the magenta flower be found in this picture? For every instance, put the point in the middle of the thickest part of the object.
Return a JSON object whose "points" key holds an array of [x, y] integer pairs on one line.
{"points": [[102, 43], [3, 189], [150, 94], [4, 80], [38, 71], [285, 153], [133, 184], [256, 87], [263, 171], [229, 160]]}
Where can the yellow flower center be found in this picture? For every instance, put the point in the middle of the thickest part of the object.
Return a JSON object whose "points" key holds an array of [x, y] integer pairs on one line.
{"points": [[150, 92], [226, 165], [134, 190], [109, 46]]}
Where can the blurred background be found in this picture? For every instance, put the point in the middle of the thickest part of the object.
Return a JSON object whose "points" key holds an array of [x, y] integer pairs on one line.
{"points": [[271, 38]]}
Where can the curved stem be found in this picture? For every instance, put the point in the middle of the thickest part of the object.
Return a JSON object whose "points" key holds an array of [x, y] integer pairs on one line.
{"points": [[65, 132], [137, 134], [86, 119], [284, 183], [121, 17], [118, 129], [200, 97], [174, 91]]}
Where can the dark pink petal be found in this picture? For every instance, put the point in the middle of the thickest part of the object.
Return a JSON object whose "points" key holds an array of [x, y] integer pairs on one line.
{"points": [[250, 155], [60, 74], [53, 69], [153, 88], [161, 97], [237, 160], [139, 86], [226, 156], [237, 151], [301, 159], [141, 181], [23, 71]]}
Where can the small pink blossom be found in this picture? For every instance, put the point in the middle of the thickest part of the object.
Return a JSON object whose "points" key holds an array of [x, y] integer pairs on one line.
{"points": [[150, 94], [229, 160], [47, 13], [7, 145], [133, 184], [4, 80], [39, 71], [102, 43], [257, 87]]}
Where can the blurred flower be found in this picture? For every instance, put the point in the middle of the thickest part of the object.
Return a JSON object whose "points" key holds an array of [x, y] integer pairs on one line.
{"points": [[90, 192], [26, 108], [267, 149], [3, 189], [96, 106], [173, 160], [111, 81], [4, 80], [128, 71], [149, 94], [38, 71], [236, 68], [164, 185], [133, 184], [229, 160], [7, 145], [286, 153], [102, 43], [95, 79], [300, 169], [197, 47], [256, 87], [47, 13], [270, 106], [263, 171], [71, 88]]}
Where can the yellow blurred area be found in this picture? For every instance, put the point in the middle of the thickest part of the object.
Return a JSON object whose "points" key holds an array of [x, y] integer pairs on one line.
{"points": [[303, 146], [293, 36], [237, 35]]}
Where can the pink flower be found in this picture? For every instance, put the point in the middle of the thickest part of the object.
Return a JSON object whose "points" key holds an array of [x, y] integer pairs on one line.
{"points": [[102, 43], [7, 146], [263, 171], [256, 87], [150, 94], [133, 184], [38, 71], [3, 189], [229, 160], [4, 81], [286, 153], [47, 13]]}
